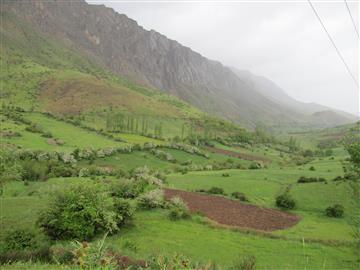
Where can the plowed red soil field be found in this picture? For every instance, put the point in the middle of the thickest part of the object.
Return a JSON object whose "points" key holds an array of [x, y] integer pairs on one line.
{"points": [[233, 213]]}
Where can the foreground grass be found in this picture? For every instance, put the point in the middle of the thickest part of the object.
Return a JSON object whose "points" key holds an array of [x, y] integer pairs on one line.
{"points": [[154, 233]]}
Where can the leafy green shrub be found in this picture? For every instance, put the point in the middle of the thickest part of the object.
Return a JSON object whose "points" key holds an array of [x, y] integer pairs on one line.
{"points": [[254, 166], [79, 212], [151, 199], [123, 210], [128, 189], [34, 170], [338, 178], [215, 190], [178, 209], [34, 128], [336, 210], [240, 196], [225, 174], [47, 134], [10, 169], [285, 201], [303, 180], [20, 240], [312, 168]]}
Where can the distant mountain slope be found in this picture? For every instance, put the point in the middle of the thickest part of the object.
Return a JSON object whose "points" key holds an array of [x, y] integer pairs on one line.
{"points": [[149, 58], [318, 114]]}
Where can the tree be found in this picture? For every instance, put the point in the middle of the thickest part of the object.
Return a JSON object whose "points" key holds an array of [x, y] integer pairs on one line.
{"points": [[352, 145]]}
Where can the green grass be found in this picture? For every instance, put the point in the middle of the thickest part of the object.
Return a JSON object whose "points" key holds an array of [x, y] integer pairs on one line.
{"points": [[154, 233], [72, 136], [262, 186], [130, 161]]}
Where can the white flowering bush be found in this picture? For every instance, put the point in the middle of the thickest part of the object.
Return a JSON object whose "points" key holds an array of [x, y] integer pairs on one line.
{"points": [[151, 199]]}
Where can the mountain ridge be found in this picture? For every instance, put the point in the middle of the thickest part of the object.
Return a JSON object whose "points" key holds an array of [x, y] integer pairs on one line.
{"points": [[151, 59]]}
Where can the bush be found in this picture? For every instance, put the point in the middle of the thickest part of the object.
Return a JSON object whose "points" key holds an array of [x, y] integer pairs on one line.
{"points": [[128, 189], [178, 209], [216, 190], [255, 166], [240, 196], [34, 128], [336, 210], [285, 201], [47, 134], [152, 199], [20, 240], [79, 212], [312, 168], [123, 210], [225, 175], [303, 180], [34, 170]]}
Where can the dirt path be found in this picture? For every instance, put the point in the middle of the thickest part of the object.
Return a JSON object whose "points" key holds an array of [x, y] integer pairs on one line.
{"points": [[233, 213], [237, 155]]}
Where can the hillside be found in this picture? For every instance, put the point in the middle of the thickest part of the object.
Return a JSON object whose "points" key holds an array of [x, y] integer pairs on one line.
{"points": [[148, 58], [43, 75]]}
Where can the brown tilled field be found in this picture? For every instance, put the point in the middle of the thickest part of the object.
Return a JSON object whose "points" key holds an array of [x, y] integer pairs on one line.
{"points": [[233, 213]]}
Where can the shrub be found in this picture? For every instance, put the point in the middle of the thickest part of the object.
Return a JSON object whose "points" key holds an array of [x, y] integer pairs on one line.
{"points": [[178, 209], [254, 166], [312, 168], [336, 210], [216, 190], [338, 178], [128, 189], [19, 240], [10, 168], [225, 175], [152, 199], [34, 128], [240, 196], [79, 212], [285, 201], [304, 179], [47, 134], [34, 170], [123, 210]]}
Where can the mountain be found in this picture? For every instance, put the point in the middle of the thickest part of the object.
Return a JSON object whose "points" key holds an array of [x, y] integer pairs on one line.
{"points": [[317, 114], [115, 42]]}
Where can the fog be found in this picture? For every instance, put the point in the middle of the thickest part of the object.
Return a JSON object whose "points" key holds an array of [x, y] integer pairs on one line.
{"points": [[281, 40]]}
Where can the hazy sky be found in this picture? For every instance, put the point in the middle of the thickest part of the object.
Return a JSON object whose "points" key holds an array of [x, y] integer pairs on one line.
{"points": [[282, 40]]}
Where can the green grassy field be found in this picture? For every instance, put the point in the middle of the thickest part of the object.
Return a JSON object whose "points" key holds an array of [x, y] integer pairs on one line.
{"points": [[153, 233]]}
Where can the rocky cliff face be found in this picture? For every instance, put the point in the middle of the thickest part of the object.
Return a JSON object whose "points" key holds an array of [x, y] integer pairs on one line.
{"points": [[149, 58]]}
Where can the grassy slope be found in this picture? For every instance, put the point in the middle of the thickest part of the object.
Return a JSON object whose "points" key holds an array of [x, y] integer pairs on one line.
{"points": [[261, 187], [154, 233], [39, 74], [72, 136]]}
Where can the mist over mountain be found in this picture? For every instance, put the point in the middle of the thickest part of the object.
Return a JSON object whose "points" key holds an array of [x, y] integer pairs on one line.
{"points": [[118, 43]]}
